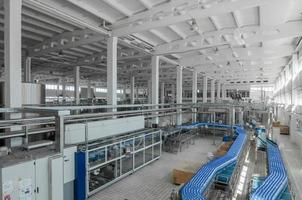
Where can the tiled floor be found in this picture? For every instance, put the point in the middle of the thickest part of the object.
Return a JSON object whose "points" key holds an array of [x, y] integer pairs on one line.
{"points": [[292, 156], [153, 182]]}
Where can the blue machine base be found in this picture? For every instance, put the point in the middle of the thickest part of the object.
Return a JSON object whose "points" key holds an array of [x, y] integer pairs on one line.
{"points": [[80, 176]]}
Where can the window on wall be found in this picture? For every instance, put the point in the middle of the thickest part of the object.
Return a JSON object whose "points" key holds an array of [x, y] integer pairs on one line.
{"points": [[101, 90], [104, 90], [69, 88], [263, 88], [50, 87]]}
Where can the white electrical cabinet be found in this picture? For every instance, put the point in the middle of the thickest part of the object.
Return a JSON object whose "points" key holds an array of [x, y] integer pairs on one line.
{"points": [[18, 181], [33, 180], [42, 179], [56, 178]]}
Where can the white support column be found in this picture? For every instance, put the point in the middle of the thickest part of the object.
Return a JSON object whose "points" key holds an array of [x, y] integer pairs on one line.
{"points": [[64, 89], [27, 71], [173, 95], [137, 92], [223, 91], [124, 92], [162, 90], [218, 90], [283, 87], [149, 91], [205, 90], [155, 82], [12, 54], [213, 91], [77, 85], [58, 90], [294, 72], [194, 93], [89, 95], [112, 71], [13, 61], [132, 89], [179, 93]]}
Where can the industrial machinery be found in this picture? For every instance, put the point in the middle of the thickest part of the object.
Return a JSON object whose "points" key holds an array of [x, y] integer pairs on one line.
{"points": [[73, 156], [111, 159]]}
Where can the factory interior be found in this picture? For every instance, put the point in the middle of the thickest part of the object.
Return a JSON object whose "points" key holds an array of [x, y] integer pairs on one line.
{"points": [[151, 99]]}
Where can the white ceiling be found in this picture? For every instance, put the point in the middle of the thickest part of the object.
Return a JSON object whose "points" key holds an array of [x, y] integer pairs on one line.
{"points": [[234, 41]]}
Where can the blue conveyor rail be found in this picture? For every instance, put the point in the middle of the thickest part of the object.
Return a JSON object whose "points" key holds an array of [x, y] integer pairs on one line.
{"points": [[257, 182], [276, 182], [195, 189]]}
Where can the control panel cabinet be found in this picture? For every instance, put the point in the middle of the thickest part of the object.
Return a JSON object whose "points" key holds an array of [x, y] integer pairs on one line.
{"points": [[33, 180]]}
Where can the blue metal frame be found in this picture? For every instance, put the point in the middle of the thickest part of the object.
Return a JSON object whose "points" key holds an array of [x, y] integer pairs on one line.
{"points": [[80, 176]]}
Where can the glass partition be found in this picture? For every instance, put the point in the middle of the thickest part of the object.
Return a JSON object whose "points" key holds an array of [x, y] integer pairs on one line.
{"points": [[108, 163]]}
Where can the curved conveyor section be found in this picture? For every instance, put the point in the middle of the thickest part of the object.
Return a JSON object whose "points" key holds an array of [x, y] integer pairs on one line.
{"points": [[198, 185], [276, 182]]}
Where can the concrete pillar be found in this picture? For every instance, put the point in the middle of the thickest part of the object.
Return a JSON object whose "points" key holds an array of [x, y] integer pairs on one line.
{"points": [[132, 88], [173, 95], [213, 91], [150, 91], [13, 62], [179, 93], [218, 90], [194, 93], [223, 91], [162, 90], [112, 71], [294, 70], [27, 71], [89, 95], [137, 92], [12, 54], [58, 92], [205, 90], [77, 85], [64, 89], [124, 91], [155, 82]]}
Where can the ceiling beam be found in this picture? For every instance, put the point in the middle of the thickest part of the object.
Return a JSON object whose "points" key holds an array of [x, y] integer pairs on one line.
{"points": [[146, 3], [118, 6], [287, 30], [48, 20], [92, 9], [64, 41], [28, 35], [266, 33], [160, 8], [213, 10], [243, 54], [64, 13]]}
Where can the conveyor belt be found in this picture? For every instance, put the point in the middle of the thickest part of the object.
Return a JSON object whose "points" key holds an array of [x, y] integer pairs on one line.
{"points": [[276, 182], [198, 185]]}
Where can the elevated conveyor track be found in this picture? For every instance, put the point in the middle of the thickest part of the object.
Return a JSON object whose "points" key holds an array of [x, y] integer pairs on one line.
{"points": [[276, 182], [197, 187]]}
